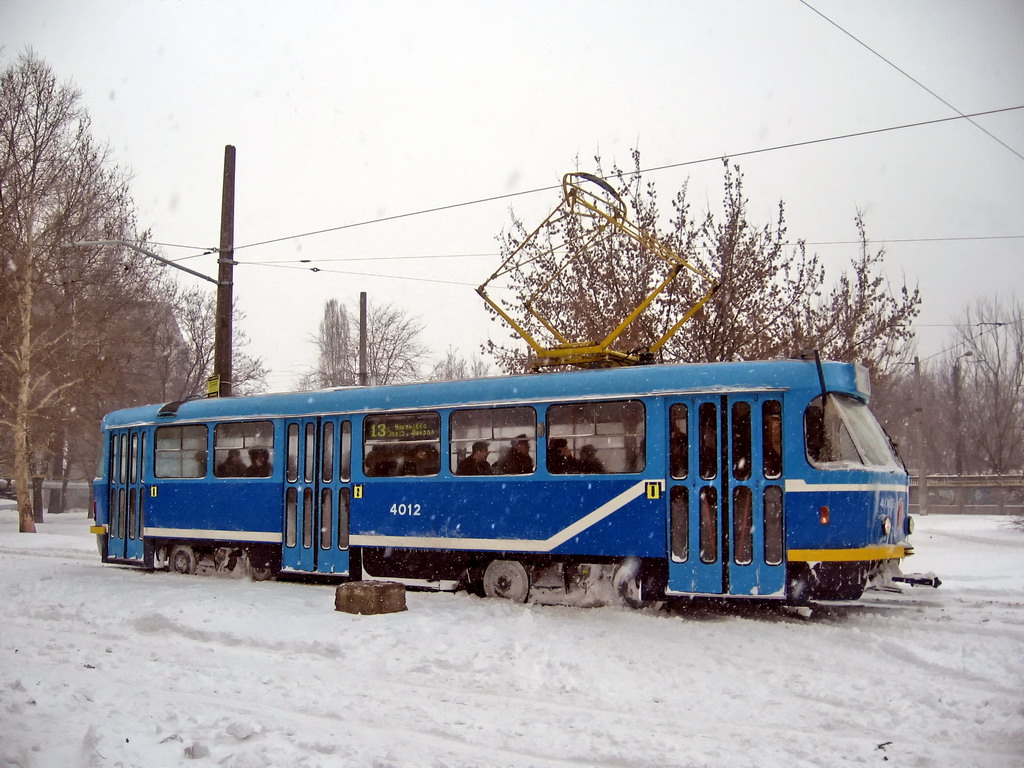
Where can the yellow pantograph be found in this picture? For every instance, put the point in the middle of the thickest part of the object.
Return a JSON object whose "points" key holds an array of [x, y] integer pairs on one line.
{"points": [[597, 214]]}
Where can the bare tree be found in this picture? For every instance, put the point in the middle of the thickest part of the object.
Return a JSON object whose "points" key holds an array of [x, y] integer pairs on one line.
{"points": [[337, 351], [990, 390], [394, 352], [190, 356], [65, 309], [455, 367], [770, 300], [861, 320]]}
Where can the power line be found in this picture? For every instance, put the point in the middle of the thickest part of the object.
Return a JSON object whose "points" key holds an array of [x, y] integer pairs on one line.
{"points": [[911, 78], [384, 258], [874, 240], [993, 327], [914, 240], [855, 135], [494, 198], [358, 274]]}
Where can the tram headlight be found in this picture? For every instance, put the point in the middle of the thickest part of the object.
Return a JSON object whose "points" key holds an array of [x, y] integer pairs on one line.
{"points": [[910, 525], [886, 526]]}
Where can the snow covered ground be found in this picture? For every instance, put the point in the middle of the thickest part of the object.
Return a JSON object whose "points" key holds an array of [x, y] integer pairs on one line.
{"points": [[110, 666]]}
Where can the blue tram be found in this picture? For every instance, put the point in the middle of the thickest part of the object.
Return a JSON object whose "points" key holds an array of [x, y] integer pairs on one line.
{"points": [[767, 479]]}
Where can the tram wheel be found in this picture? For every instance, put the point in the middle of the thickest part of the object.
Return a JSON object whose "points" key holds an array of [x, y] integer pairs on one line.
{"points": [[264, 571], [182, 560], [628, 585], [507, 579]]}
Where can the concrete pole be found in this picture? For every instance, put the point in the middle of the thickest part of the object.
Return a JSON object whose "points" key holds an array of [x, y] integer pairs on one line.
{"points": [[363, 375], [919, 446], [225, 277]]}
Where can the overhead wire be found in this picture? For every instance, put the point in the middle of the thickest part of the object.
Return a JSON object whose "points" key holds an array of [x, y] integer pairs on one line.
{"points": [[346, 259], [653, 169], [911, 78], [359, 274], [509, 195], [992, 329]]}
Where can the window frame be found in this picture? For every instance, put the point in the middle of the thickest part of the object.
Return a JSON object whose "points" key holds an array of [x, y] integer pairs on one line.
{"points": [[607, 443], [254, 434], [162, 454], [501, 438], [395, 448]]}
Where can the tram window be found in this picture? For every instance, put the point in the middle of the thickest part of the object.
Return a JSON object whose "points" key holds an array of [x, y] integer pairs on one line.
{"points": [[326, 517], [292, 470], [345, 466], [327, 452], [124, 458], [742, 525], [244, 449], [308, 464], [679, 441], [343, 518], [510, 436], [200, 458], [307, 517], [708, 524], [680, 531], [742, 440], [773, 524], [771, 439], [134, 460], [707, 417], [180, 451], [596, 438], [131, 513], [290, 516], [840, 430], [402, 444]]}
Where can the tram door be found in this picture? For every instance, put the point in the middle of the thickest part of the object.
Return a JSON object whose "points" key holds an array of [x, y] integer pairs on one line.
{"points": [[127, 494], [725, 495], [317, 492]]}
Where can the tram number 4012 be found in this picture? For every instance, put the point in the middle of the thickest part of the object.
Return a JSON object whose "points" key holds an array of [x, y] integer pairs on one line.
{"points": [[406, 510]]}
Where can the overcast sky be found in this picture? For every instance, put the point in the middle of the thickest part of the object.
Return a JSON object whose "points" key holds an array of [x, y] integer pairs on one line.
{"points": [[344, 113]]}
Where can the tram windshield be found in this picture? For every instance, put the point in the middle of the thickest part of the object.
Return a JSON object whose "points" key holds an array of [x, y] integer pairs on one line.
{"points": [[843, 432]]}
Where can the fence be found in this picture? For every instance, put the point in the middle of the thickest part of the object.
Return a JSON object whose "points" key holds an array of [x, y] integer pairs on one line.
{"points": [[968, 494]]}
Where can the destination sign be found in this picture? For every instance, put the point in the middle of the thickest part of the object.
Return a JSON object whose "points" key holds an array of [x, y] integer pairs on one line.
{"points": [[404, 426]]}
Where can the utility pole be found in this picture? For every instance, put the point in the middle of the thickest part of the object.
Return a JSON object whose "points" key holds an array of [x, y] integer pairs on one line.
{"points": [[363, 377], [225, 278], [958, 455], [919, 446]]}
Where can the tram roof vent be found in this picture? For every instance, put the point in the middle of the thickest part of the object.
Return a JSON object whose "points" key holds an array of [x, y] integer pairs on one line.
{"points": [[169, 410]]}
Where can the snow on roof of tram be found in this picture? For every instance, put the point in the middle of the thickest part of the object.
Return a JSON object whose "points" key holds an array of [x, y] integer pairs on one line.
{"points": [[684, 378]]}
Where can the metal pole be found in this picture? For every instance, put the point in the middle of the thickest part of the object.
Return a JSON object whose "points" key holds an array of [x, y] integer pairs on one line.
{"points": [[144, 252], [919, 447], [225, 275], [363, 376], [959, 457]]}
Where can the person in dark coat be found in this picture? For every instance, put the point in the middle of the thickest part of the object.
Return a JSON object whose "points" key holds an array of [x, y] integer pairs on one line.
{"points": [[589, 464], [560, 458], [259, 463], [476, 463], [517, 459], [232, 466]]}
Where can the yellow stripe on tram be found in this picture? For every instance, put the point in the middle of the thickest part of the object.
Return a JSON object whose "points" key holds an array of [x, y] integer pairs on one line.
{"points": [[879, 552]]}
